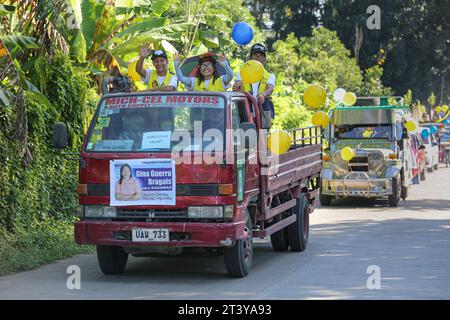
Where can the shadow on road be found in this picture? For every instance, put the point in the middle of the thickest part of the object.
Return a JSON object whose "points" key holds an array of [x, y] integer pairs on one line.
{"points": [[420, 205]]}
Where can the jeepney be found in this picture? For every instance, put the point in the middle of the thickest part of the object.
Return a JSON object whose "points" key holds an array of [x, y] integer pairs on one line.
{"points": [[383, 161]]}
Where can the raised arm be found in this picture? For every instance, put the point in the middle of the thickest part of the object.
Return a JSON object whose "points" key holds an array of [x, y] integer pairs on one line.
{"points": [[222, 60], [181, 77], [143, 54]]}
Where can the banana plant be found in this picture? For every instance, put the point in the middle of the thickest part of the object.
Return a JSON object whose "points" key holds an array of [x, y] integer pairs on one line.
{"points": [[112, 31]]}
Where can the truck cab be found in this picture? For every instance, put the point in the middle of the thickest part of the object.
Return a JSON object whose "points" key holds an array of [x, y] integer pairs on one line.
{"points": [[383, 163], [168, 173]]}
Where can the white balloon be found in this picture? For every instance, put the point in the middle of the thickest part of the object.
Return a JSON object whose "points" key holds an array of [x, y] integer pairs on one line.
{"points": [[339, 94]]}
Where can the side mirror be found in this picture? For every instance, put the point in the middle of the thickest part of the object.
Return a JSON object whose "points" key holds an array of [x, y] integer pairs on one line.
{"points": [[266, 120], [60, 135]]}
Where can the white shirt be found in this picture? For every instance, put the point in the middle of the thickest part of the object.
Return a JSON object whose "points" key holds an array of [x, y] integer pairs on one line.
{"points": [[173, 80], [255, 86], [193, 79]]}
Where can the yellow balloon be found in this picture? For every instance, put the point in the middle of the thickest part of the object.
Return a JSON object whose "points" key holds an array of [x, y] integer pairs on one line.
{"points": [[279, 142], [320, 119], [438, 109], [349, 99], [444, 108], [132, 73], [348, 153], [410, 125], [314, 96], [252, 71]]}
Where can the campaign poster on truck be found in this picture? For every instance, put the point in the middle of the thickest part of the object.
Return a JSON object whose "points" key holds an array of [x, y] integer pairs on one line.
{"points": [[142, 182]]}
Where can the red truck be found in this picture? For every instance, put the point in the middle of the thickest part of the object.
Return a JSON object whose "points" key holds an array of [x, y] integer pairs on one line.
{"points": [[166, 173]]}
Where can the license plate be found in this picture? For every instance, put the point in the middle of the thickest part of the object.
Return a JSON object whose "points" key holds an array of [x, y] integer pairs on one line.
{"points": [[150, 235]]}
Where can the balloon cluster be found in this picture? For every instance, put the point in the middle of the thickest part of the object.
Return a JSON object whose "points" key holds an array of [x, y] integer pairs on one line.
{"points": [[342, 96]]}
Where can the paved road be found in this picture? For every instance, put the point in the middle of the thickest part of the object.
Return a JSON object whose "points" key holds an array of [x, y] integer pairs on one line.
{"points": [[409, 244]]}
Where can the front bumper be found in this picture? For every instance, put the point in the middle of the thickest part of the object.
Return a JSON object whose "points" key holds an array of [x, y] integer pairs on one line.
{"points": [[357, 184], [182, 234]]}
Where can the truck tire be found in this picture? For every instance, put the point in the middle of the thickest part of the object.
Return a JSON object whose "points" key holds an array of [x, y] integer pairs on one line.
{"points": [[423, 176], [298, 232], [394, 199], [325, 200], [405, 193], [238, 258], [112, 259], [280, 240]]}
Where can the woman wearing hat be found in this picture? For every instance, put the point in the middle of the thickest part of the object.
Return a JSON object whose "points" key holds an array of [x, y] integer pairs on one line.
{"points": [[159, 79], [263, 89], [207, 77]]}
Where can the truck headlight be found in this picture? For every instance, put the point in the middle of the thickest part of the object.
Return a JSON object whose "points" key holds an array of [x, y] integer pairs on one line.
{"points": [[205, 212], [99, 212]]}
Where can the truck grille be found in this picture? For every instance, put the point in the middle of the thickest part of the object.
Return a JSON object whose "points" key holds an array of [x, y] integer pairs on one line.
{"points": [[359, 164], [128, 214], [182, 189]]}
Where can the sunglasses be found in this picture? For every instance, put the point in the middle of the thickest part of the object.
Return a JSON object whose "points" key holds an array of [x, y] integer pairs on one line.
{"points": [[206, 65]]}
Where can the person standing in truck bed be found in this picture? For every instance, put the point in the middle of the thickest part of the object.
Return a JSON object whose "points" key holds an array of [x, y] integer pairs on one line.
{"points": [[160, 78]]}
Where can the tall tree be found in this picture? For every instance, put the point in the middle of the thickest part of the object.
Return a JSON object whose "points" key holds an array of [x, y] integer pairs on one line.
{"points": [[285, 16], [414, 35]]}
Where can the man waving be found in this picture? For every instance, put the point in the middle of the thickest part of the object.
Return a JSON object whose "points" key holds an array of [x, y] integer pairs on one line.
{"points": [[159, 78]]}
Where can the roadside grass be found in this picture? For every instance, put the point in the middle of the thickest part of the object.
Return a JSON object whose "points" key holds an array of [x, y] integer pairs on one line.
{"points": [[44, 242]]}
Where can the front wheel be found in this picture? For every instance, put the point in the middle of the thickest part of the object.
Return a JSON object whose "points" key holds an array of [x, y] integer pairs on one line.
{"points": [[394, 199], [325, 200], [298, 232], [238, 258], [112, 259]]}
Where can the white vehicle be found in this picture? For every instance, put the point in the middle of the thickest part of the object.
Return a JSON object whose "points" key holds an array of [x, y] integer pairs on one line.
{"points": [[431, 150]]}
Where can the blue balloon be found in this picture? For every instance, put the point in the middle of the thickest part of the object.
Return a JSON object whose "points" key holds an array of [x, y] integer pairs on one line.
{"points": [[425, 133], [433, 129], [446, 121], [242, 33]]}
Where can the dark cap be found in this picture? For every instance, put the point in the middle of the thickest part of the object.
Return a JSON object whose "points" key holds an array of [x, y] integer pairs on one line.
{"points": [[258, 48], [159, 54]]}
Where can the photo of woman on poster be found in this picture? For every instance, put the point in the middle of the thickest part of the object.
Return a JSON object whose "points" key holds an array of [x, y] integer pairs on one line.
{"points": [[127, 188]]}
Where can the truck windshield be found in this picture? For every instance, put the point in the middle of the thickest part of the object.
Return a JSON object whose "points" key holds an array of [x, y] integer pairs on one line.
{"points": [[157, 123], [363, 132]]}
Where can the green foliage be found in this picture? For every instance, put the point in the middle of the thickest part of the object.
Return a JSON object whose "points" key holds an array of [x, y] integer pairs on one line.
{"points": [[372, 85], [38, 203]]}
